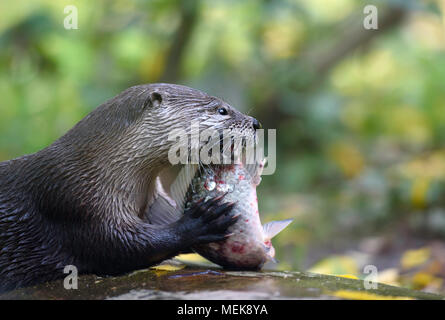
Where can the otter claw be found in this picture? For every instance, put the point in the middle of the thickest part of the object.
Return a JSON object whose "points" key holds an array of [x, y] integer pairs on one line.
{"points": [[200, 201], [209, 220], [235, 217]]}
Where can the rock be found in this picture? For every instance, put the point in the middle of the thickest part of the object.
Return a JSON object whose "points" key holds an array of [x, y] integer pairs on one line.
{"points": [[204, 282]]}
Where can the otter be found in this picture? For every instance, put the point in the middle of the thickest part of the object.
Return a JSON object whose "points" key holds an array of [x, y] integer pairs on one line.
{"points": [[85, 199]]}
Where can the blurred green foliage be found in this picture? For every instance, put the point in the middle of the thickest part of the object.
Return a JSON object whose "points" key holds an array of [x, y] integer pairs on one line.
{"points": [[360, 114]]}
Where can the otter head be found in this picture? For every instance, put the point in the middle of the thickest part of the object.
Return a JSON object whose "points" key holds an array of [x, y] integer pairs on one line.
{"points": [[124, 143], [174, 108]]}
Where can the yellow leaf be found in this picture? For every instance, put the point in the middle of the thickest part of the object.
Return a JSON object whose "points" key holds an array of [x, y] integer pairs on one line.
{"points": [[419, 191], [389, 276], [431, 166], [348, 276], [360, 295], [336, 265], [348, 158], [414, 258], [422, 280], [191, 257], [167, 267]]}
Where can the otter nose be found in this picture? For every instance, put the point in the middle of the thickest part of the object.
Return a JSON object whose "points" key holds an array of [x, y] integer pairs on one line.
{"points": [[256, 124]]}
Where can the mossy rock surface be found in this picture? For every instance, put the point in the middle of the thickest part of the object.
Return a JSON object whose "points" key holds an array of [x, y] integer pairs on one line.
{"points": [[179, 281]]}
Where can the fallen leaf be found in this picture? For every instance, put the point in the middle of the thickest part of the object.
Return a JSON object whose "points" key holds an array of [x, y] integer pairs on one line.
{"points": [[348, 276], [168, 267], [336, 265], [414, 258], [360, 295], [389, 276], [191, 258], [422, 280]]}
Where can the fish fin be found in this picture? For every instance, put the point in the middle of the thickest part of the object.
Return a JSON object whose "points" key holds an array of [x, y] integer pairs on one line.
{"points": [[255, 170], [272, 259], [160, 191], [179, 187], [163, 209], [271, 229], [162, 212]]}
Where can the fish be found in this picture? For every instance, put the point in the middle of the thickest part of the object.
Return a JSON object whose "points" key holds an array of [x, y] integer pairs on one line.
{"points": [[249, 246]]}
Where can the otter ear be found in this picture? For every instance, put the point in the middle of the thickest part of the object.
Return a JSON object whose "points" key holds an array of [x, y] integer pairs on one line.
{"points": [[153, 100]]}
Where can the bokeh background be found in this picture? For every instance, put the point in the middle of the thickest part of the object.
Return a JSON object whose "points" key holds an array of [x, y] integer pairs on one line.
{"points": [[360, 114]]}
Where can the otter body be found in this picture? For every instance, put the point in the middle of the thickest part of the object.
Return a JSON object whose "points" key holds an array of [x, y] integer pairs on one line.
{"points": [[85, 200]]}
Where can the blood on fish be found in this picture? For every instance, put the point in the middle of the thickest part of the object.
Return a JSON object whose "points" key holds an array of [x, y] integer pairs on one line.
{"points": [[237, 248]]}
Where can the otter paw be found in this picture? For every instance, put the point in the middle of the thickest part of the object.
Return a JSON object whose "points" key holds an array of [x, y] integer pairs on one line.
{"points": [[208, 221]]}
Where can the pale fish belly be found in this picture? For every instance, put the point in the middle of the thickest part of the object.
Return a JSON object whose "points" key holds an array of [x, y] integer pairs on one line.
{"points": [[245, 248]]}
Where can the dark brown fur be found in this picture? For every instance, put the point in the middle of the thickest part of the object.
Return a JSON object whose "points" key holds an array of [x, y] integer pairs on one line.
{"points": [[81, 201]]}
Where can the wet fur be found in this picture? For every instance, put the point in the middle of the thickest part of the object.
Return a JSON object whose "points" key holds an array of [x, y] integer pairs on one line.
{"points": [[82, 200]]}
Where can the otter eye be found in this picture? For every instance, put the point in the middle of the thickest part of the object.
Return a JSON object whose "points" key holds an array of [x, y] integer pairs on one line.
{"points": [[222, 111]]}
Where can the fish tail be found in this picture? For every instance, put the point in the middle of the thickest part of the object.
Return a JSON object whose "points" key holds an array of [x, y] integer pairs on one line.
{"points": [[271, 229]]}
